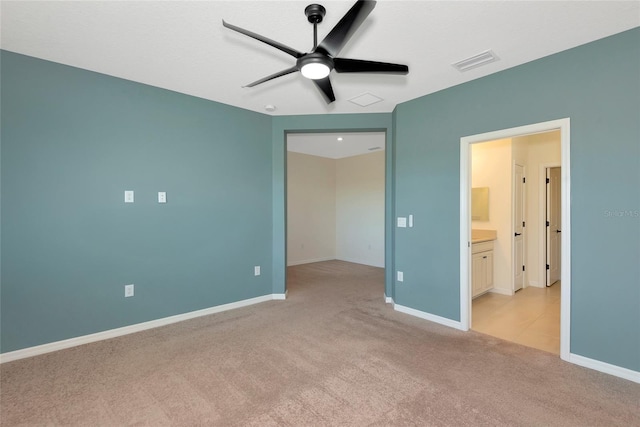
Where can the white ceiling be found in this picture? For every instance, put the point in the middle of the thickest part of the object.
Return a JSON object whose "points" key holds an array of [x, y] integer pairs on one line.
{"points": [[182, 45], [328, 145]]}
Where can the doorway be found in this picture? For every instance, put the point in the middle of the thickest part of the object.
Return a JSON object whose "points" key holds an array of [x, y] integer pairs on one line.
{"points": [[563, 291], [335, 198]]}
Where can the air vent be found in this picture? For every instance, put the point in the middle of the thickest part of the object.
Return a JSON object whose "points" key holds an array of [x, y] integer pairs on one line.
{"points": [[365, 99], [475, 61]]}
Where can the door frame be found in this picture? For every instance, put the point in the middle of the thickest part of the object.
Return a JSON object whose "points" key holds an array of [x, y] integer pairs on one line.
{"points": [[563, 125]]}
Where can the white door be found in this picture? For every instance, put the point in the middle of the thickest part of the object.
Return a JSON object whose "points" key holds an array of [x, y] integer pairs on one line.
{"points": [[518, 227], [554, 226]]}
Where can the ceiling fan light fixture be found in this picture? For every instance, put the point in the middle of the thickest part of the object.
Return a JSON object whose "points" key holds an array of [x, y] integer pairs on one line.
{"points": [[315, 70], [315, 66]]}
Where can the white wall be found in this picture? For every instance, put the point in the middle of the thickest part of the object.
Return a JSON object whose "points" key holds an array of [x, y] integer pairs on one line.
{"points": [[491, 164], [360, 209], [335, 209], [311, 208], [541, 150]]}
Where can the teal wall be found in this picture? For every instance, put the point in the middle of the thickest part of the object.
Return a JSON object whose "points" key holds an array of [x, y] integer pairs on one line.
{"points": [[72, 142], [325, 123], [598, 87]]}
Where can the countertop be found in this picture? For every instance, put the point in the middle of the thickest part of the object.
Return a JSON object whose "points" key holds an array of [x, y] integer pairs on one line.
{"points": [[479, 236]]}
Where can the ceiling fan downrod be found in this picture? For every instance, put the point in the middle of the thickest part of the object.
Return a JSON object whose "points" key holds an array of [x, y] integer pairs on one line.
{"points": [[315, 13]]}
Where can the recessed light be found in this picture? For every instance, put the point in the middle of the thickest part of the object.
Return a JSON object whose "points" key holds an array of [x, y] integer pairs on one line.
{"points": [[339, 138], [270, 108]]}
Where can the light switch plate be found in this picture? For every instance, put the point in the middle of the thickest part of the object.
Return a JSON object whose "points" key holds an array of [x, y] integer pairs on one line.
{"points": [[402, 222], [128, 196], [162, 197], [256, 270], [400, 276], [410, 220]]}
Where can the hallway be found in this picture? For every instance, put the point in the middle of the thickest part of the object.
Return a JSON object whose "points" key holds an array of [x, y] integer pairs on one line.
{"points": [[531, 317]]}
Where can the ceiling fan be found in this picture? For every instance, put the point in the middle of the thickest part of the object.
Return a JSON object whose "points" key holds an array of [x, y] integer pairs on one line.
{"points": [[317, 64]]}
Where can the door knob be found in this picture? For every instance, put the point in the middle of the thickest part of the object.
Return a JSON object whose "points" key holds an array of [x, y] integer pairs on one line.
{"points": [[518, 234], [558, 231]]}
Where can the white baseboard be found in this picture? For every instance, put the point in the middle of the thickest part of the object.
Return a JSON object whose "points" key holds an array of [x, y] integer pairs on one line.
{"points": [[360, 261], [604, 367], [387, 299], [309, 261], [113, 333], [535, 284], [501, 291], [428, 316], [280, 296]]}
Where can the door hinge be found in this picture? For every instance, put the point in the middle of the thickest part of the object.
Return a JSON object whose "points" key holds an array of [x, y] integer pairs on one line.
{"points": [[547, 223], [547, 266], [523, 268], [523, 223], [524, 180], [547, 180]]}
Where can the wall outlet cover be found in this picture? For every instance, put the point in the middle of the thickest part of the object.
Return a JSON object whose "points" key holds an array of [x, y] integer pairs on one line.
{"points": [[128, 291]]}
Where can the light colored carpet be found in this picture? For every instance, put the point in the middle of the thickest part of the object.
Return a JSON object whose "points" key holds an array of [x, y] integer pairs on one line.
{"points": [[331, 354]]}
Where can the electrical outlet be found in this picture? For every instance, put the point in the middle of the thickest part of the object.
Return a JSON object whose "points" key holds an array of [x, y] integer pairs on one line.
{"points": [[128, 291], [400, 276], [128, 196], [256, 270]]}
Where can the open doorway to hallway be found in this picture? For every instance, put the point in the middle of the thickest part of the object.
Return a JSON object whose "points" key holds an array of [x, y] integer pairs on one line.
{"points": [[514, 252], [336, 198]]}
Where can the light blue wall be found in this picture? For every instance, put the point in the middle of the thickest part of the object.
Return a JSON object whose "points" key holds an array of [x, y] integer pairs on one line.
{"points": [[72, 142], [598, 87], [325, 123]]}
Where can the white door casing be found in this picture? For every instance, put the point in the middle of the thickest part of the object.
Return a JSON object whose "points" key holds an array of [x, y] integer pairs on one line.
{"points": [[465, 221]]}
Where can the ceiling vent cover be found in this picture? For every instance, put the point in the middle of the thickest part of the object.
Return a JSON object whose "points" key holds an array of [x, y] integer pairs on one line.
{"points": [[475, 61], [365, 99]]}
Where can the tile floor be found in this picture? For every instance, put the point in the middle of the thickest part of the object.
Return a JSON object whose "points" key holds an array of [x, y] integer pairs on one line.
{"points": [[531, 317]]}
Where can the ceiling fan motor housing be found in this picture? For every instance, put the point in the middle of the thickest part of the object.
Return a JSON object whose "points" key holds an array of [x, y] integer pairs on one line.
{"points": [[315, 58]]}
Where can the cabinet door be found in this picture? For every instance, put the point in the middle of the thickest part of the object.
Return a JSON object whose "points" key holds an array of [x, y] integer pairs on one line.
{"points": [[478, 274], [487, 257], [481, 272]]}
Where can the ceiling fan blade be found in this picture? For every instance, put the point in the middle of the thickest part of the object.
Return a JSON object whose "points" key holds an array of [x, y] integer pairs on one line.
{"points": [[273, 76], [342, 32], [325, 87], [344, 65], [291, 51]]}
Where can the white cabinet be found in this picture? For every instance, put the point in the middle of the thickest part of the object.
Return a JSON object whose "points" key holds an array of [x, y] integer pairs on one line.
{"points": [[481, 267]]}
